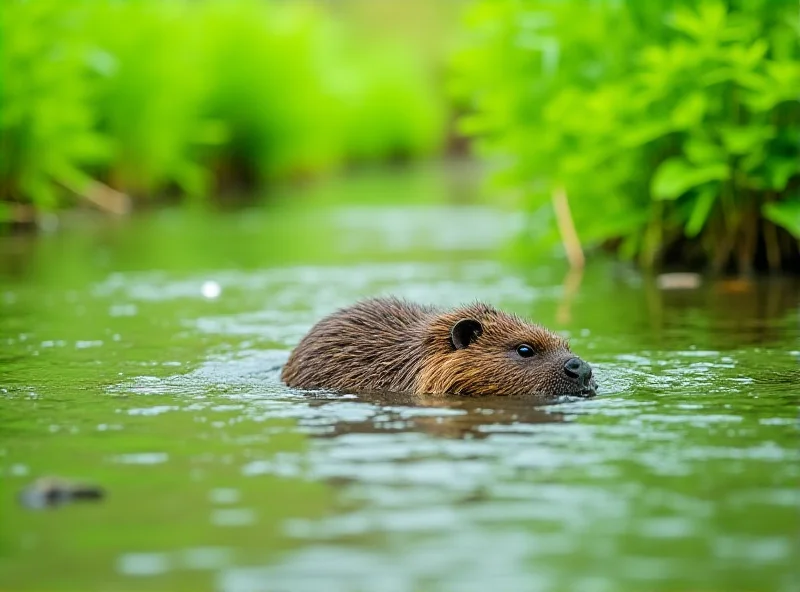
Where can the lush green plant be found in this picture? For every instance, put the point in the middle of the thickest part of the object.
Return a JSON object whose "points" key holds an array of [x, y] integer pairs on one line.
{"points": [[674, 126], [48, 134], [149, 93], [148, 96]]}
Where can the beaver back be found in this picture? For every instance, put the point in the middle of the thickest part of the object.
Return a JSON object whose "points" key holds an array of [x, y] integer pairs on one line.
{"points": [[374, 345]]}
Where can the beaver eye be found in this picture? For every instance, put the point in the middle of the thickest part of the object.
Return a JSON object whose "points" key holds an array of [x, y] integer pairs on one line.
{"points": [[524, 350]]}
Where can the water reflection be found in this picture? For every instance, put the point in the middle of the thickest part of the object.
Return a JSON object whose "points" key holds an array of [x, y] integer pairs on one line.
{"points": [[444, 417], [740, 312]]}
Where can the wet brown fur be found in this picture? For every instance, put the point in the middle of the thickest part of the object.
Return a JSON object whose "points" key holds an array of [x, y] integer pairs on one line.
{"points": [[391, 345]]}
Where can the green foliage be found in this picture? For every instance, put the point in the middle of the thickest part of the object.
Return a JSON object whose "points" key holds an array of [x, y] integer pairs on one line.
{"points": [[149, 94], [47, 130], [184, 96], [673, 125]]}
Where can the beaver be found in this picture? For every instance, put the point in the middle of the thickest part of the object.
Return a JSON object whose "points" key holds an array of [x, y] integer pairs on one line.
{"points": [[391, 345]]}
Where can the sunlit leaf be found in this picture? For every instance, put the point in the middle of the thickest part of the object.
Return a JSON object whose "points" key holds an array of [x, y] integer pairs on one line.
{"points": [[744, 139], [703, 204], [644, 134], [690, 111], [676, 176], [707, 19], [785, 214], [780, 170], [753, 160], [785, 74], [701, 151]]}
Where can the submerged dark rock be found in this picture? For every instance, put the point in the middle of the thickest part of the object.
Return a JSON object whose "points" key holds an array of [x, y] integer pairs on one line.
{"points": [[53, 491]]}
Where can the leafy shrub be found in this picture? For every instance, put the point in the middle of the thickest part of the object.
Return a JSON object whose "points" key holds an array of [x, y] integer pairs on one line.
{"points": [[270, 92], [48, 129], [152, 97], [149, 94], [673, 125]]}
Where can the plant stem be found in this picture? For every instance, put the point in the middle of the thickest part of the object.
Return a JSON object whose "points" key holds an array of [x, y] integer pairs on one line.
{"points": [[566, 227], [104, 197]]}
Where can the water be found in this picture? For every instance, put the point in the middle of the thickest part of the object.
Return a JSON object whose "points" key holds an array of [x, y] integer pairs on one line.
{"points": [[143, 356]]}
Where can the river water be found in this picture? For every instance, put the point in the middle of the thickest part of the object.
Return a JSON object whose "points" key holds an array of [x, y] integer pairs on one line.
{"points": [[143, 356]]}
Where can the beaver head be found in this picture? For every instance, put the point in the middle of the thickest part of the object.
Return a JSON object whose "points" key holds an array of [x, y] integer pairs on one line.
{"points": [[482, 351]]}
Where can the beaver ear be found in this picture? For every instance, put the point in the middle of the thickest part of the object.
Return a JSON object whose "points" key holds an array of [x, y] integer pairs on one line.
{"points": [[465, 332]]}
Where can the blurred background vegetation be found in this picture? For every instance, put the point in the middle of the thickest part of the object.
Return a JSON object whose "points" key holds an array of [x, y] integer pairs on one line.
{"points": [[670, 128], [673, 126], [190, 98]]}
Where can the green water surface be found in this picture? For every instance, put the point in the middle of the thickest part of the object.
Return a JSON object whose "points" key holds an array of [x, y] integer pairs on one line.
{"points": [[143, 356]]}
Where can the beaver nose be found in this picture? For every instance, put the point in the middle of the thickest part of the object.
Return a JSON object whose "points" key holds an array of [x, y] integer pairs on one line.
{"points": [[579, 370]]}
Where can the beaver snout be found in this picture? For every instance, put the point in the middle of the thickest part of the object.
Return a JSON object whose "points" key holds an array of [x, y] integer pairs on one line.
{"points": [[581, 373]]}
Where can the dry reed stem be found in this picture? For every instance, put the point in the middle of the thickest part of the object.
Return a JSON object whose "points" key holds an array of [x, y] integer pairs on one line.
{"points": [[566, 227], [104, 197]]}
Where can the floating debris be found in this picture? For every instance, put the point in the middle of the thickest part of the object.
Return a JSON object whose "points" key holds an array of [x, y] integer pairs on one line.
{"points": [[678, 281], [735, 286], [53, 491]]}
